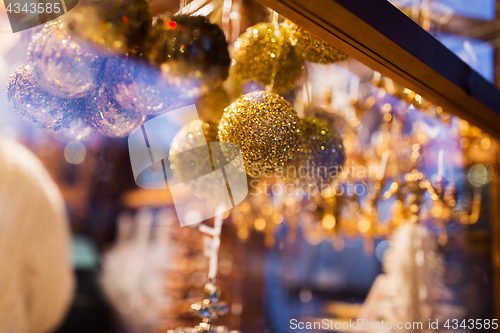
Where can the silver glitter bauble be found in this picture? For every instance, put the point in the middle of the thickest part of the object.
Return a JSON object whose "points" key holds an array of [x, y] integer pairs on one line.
{"points": [[192, 136], [108, 117], [76, 128], [139, 87], [60, 65], [35, 106]]}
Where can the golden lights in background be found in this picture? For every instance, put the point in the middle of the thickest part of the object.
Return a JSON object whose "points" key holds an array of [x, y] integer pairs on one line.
{"points": [[398, 156]]}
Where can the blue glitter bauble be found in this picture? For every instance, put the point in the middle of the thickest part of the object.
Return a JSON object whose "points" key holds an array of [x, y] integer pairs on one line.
{"points": [[35, 106], [77, 127], [60, 65], [139, 87], [108, 117]]}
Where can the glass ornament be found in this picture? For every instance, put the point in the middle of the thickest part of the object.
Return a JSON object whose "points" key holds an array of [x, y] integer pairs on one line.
{"points": [[35, 106], [108, 117], [61, 66]]}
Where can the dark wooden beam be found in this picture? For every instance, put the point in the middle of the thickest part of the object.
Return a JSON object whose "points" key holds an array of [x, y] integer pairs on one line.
{"points": [[379, 35]]}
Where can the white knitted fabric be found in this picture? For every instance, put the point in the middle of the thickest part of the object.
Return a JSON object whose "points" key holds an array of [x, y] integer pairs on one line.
{"points": [[36, 279]]}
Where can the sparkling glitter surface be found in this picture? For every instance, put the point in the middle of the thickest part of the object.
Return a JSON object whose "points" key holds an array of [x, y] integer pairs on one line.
{"points": [[77, 127], [321, 151], [35, 106], [191, 53], [266, 128], [258, 53], [189, 156], [311, 47], [60, 65], [108, 117], [113, 26], [139, 87]]}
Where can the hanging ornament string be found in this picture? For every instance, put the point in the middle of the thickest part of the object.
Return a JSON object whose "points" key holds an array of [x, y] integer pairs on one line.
{"points": [[212, 244], [182, 5], [235, 21], [309, 98], [207, 10], [281, 40], [226, 19], [190, 8]]}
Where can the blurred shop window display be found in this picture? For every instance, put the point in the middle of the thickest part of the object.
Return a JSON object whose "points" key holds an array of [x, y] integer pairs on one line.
{"points": [[365, 199]]}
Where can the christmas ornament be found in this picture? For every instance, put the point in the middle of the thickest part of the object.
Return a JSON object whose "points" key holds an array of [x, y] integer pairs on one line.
{"points": [[60, 65], [265, 127], [211, 106], [113, 26], [189, 158], [139, 87], [321, 152], [35, 106], [108, 117], [311, 47], [210, 309], [76, 128], [265, 55], [191, 53], [412, 288], [134, 270]]}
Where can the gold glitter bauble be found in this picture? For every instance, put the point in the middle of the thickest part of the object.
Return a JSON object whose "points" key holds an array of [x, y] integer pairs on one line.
{"points": [[265, 127], [194, 135], [211, 106], [311, 47], [320, 155], [116, 26], [258, 54]]}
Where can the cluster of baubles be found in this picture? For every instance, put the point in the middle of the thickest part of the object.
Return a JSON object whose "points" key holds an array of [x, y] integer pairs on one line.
{"points": [[106, 76], [110, 65], [273, 55], [271, 137]]}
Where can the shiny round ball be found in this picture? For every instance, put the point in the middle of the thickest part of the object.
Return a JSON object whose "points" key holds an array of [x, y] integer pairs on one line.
{"points": [[139, 87], [35, 106], [111, 26], [311, 47], [77, 127], [193, 135], [321, 152], [190, 159], [108, 117], [60, 65], [265, 127], [266, 56], [191, 52]]}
